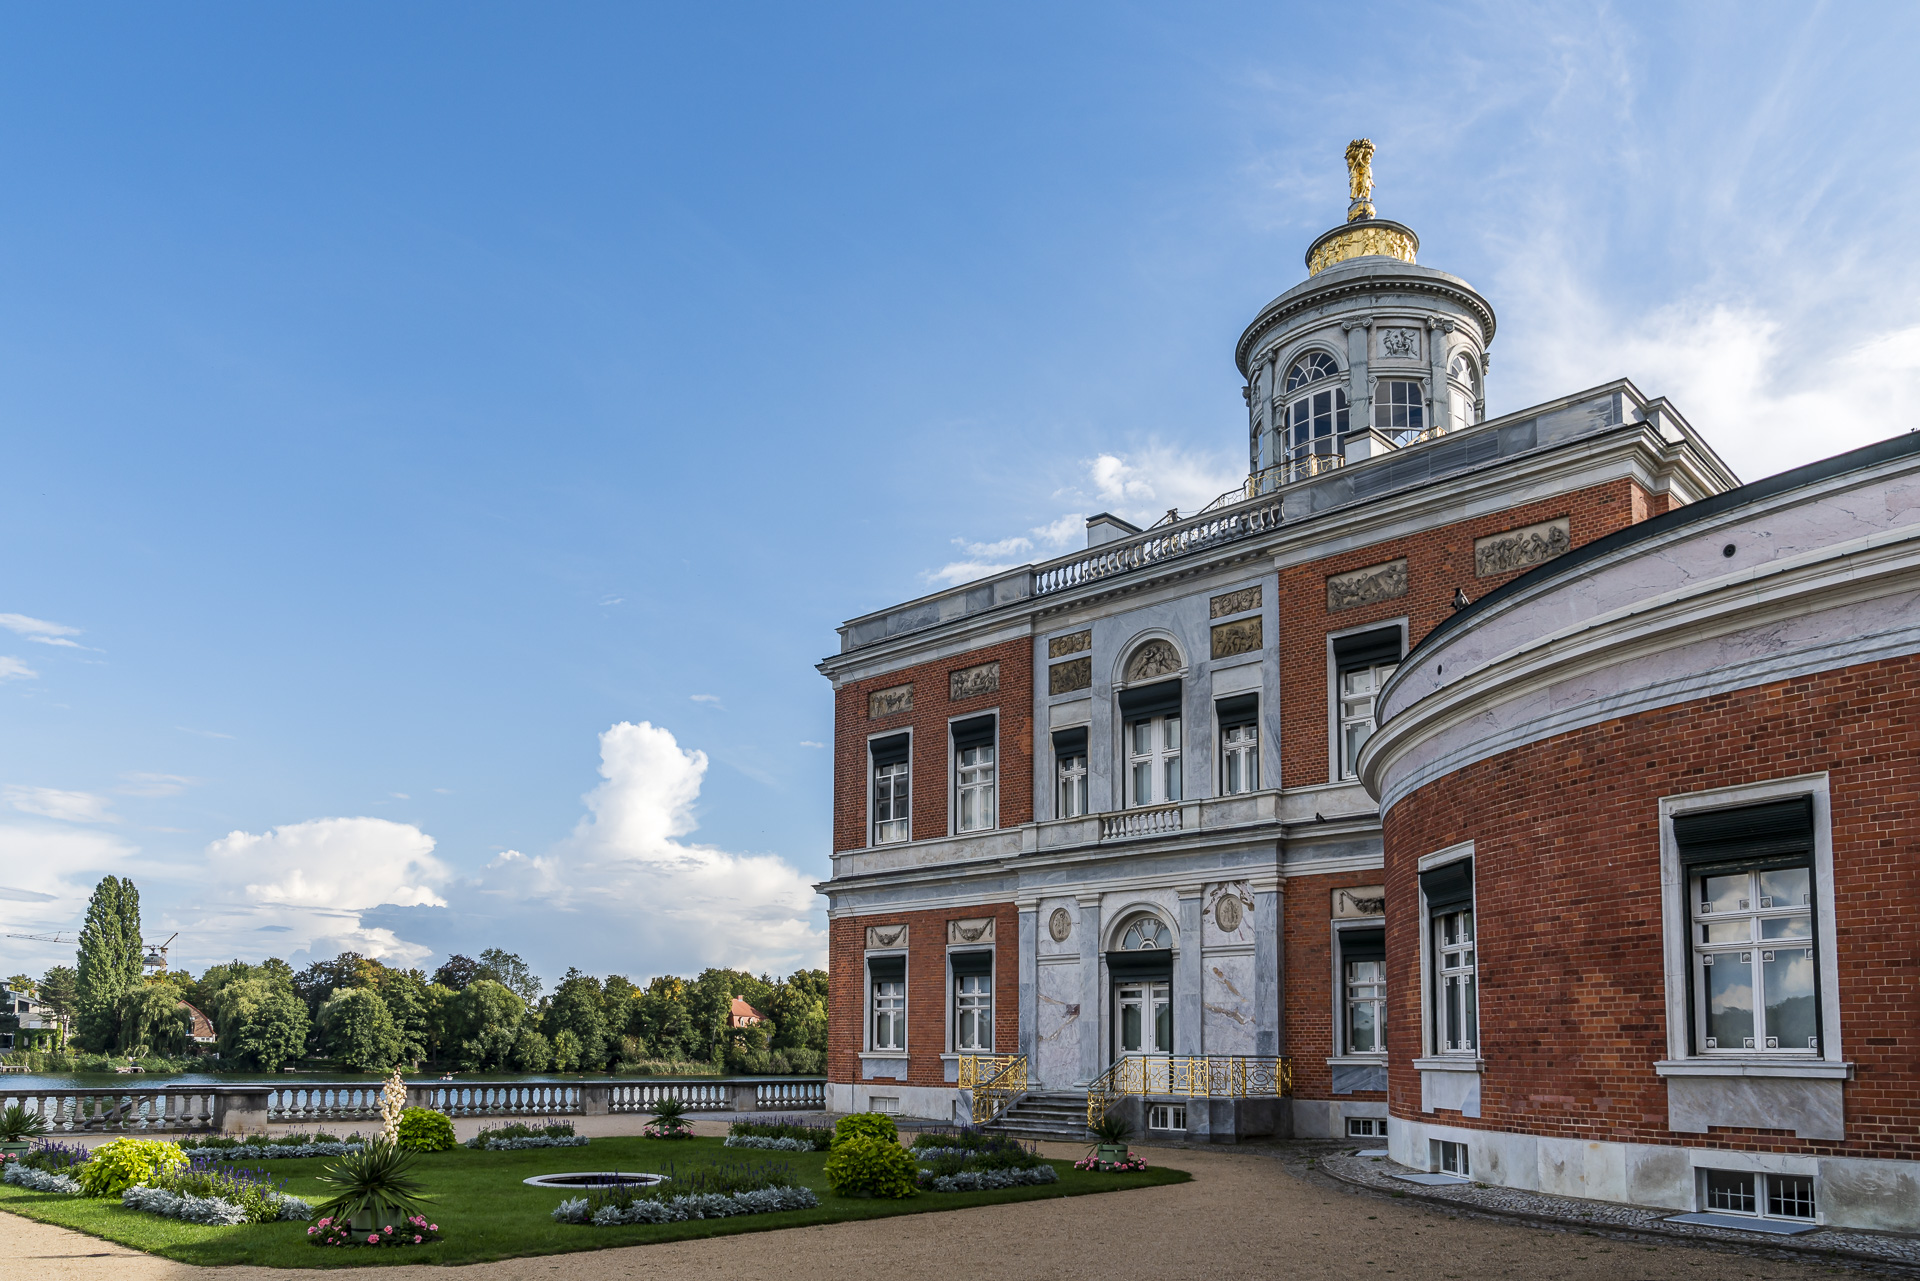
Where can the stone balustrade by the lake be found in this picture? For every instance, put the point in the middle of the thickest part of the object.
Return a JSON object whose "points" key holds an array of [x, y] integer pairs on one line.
{"points": [[251, 1108]]}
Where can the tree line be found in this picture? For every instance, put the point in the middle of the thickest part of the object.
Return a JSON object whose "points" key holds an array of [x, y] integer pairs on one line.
{"points": [[489, 1013]]}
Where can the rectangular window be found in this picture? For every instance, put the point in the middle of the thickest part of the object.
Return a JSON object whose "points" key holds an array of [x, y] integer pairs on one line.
{"points": [[1449, 1158], [972, 1001], [976, 806], [1751, 907], [1363, 955], [1153, 761], [1070, 772], [1399, 408], [1362, 664], [891, 790], [1239, 744], [1366, 1127], [1448, 890], [887, 979], [1167, 1116], [1766, 1196]]}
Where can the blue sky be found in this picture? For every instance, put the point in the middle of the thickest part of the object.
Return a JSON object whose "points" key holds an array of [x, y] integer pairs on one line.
{"points": [[440, 441]]}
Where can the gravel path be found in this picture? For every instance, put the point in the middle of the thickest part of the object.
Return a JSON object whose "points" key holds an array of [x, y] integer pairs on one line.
{"points": [[1245, 1215]]}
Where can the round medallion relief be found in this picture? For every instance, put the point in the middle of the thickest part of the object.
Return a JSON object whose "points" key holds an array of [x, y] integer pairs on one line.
{"points": [[1059, 925], [1227, 913]]}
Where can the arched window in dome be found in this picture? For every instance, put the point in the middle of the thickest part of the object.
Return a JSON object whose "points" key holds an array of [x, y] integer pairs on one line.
{"points": [[1463, 386], [1146, 933], [1316, 410]]}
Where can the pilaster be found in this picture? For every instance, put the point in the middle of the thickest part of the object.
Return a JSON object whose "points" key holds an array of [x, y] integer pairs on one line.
{"points": [[1093, 1002], [1189, 1009], [1269, 1033], [1029, 978]]}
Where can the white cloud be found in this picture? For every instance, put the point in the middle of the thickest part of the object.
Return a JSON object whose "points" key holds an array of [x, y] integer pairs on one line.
{"points": [[154, 784], [51, 802], [1005, 547], [713, 699], [50, 870], [1063, 532], [40, 630], [627, 877], [399, 796], [967, 571], [13, 669], [807, 742]]}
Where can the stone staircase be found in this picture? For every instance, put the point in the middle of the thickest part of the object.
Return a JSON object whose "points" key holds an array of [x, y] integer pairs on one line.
{"points": [[1054, 1116]]}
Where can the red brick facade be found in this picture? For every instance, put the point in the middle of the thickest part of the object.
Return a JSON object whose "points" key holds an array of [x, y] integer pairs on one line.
{"points": [[927, 996], [1439, 561], [1307, 986], [932, 709], [1567, 883]]}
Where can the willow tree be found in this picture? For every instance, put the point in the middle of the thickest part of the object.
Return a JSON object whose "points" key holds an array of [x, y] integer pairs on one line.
{"points": [[109, 961]]}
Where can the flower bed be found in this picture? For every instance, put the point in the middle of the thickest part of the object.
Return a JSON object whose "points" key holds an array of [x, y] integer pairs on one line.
{"points": [[414, 1230], [267, 1207], [286, 1147], [25, 1176], [694, 1206], [1095, 1163], [795, 1135], [986, 1180], [768, 1144], [979, 1163], [514, 1137]]}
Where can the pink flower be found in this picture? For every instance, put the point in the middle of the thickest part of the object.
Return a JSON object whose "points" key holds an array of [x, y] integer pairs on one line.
{"points": [[373, 1239], [389, 1227], [433, 1227], [416, 1240]]}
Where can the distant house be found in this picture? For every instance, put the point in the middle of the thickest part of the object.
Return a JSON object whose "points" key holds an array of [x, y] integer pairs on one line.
{"points": [[743, 1015], [26, 1022], [199, 1026]]}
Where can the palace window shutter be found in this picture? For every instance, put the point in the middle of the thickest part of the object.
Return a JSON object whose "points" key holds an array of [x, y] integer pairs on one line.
{"points": [[887, 969], [890, 751], [1772, 831], [977, 732], [1143, 701], [1363, 945], [1448, 888], [1365, 649], [1070, 742], [1242, 709], [966, 963]]}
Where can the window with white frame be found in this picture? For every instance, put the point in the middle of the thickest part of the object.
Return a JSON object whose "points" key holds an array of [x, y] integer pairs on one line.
{"points": [[1362, 664], [1366, 1127], [1758, 1194], [1448, 1158], [1154, 774], [887, 980], [1316, 408], [1400, 408], [1167, 1116], [1454, 972], [1754, 958], [1239, 744], [1070, 772], [891, 789], [972, 1002], [1363, 983], [975, 788], [1463, 389]]}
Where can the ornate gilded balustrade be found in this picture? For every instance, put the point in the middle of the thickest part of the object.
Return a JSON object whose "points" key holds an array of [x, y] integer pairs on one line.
{"points": [[1215, 1076], [995, 1081]]}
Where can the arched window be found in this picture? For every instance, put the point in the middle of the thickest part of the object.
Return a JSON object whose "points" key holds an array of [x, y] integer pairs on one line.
{"points": [[1463, 385], [1316, 411], [1145, 934]]}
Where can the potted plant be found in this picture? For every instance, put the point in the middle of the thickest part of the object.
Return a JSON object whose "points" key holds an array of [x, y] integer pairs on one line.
{"points": [[1110, 1136], [669, 1121], [18, 1129], [376, 1188]]}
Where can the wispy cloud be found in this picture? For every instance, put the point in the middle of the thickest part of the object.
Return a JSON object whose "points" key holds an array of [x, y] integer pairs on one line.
{"points": [[51, 802], [807, 742], [40, 630], [154, 784], [711, 700], [12, 669]]}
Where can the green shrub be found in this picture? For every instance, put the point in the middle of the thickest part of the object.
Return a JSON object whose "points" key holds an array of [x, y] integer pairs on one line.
{"points": [[425, 1130], [864, 1165], [874, 1125], [117, 1166], [820, 1136], [375, 1184]]}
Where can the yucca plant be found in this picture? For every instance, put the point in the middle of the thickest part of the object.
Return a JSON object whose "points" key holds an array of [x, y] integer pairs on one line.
{"points": [[669, 1121], [375, 1186], [17, 1125]]}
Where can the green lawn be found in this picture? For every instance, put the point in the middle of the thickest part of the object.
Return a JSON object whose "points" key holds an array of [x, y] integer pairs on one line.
{"points": [[487, 1213]]}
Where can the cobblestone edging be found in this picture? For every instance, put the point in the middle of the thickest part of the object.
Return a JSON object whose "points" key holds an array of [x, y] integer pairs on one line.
{"points": [[1375, 1174]]}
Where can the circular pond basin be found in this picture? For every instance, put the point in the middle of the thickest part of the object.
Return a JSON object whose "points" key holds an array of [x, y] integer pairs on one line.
{"points": [[595, 1179]]}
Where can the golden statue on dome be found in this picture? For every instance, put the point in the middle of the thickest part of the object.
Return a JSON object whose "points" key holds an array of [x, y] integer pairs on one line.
{"points": [[1360, 179]]}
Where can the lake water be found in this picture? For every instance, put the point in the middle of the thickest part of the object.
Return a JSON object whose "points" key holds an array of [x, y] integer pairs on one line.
{"points": [[12, 1082]]}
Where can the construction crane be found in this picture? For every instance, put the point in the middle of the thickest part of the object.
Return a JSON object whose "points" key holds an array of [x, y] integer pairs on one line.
{"points": [[45, 938], [157, 954]]}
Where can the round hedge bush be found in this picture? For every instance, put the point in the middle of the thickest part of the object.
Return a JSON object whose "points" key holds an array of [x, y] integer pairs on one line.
{"points": [[864, 1165], [425, 1130], [872, 1125], [114, 1167]]}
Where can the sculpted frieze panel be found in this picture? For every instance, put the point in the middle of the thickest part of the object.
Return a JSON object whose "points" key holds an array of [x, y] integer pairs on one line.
{"points": [[1367, 586], [1236, 602], [1074, 643], [1400, 344], [1518, 548], [886, 936], [1065, 678], [1358, 901], [972, 682], [889, 702], [1242, 637], [1155, 658], [1059, 925], [979, 929]]}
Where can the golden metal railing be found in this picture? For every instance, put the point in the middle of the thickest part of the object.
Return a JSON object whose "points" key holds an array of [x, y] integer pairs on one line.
{"points": [[1194, 1076], [996, 1080]]}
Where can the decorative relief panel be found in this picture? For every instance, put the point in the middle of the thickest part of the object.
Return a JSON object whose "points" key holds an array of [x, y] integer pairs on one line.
{"points": [[886, 702], [1242, 637], [1231, 903], [979, 929], [1359, 901], [1076, 643], [972, 682], [886, 936], [1075, 673], [1155, 658], [1519, 548], [1060, 925], [1366, 586], [1400, 344], [1236, 602]]}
